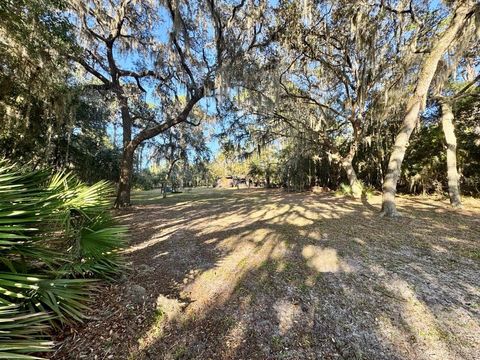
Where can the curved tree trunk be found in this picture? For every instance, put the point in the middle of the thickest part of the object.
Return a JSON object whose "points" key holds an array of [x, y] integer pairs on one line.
{"points": [[416, 104], [347, 163], [451, 140], [167, 178], [396, 158]]}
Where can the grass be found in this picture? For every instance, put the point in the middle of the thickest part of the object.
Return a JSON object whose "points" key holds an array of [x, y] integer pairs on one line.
{"points": [[179, 352], [277, 343], [140, 197]]}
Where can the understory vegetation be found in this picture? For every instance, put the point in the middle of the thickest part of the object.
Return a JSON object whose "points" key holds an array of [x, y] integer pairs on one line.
{"points": [[56, 238]]}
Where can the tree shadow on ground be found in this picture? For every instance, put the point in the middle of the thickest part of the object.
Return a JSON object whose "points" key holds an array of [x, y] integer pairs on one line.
{"points": [[255, 274]]}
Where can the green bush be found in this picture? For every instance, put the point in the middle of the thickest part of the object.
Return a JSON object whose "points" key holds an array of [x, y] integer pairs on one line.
{"points": [[147, 180], [56, 236], [361, 189]]}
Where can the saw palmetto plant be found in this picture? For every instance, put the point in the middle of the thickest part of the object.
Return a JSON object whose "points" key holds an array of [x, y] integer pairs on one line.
{"points": [[56, 238]]}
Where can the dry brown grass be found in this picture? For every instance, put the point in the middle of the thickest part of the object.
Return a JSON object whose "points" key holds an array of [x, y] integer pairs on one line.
{"points": [[257, 274]]}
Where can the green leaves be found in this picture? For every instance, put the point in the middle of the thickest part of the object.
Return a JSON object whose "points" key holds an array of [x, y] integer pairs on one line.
{"points": [[55, 234], [22, 332]]}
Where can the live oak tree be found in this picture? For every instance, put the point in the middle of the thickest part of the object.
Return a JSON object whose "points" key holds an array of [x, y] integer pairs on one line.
{"points": [[342, 56], [462, 17], [148, 53], [341, 76], [334, 62]]}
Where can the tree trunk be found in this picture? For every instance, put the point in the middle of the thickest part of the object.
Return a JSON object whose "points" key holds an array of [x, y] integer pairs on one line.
{"points": [[167, 178], [396, 158], [129, 145], [124, 183], [351, 176], [164, 189], [347, 163], [126, 166], [451, 140], [416, 104]]}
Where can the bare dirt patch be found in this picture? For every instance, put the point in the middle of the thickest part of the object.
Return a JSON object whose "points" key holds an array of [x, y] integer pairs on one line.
{"points": [[257, 274]]}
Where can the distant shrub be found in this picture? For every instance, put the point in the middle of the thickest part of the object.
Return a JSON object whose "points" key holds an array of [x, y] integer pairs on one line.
{"points": [[359, 189]]}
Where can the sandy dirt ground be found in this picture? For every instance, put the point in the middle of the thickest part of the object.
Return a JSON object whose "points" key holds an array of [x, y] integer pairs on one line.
{"points": [[264, 274]]}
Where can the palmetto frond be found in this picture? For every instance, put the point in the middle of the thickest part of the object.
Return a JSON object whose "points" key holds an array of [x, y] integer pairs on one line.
{"points": [[22, 332], [55, 234]]}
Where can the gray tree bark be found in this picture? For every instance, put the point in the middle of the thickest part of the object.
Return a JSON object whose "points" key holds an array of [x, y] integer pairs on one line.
{"points": [[351, 176], [347, 165], [451, 140], [416, 104]]}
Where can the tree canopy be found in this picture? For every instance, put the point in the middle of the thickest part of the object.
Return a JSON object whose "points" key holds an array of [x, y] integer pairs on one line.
{"points": [[340, 91]]}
